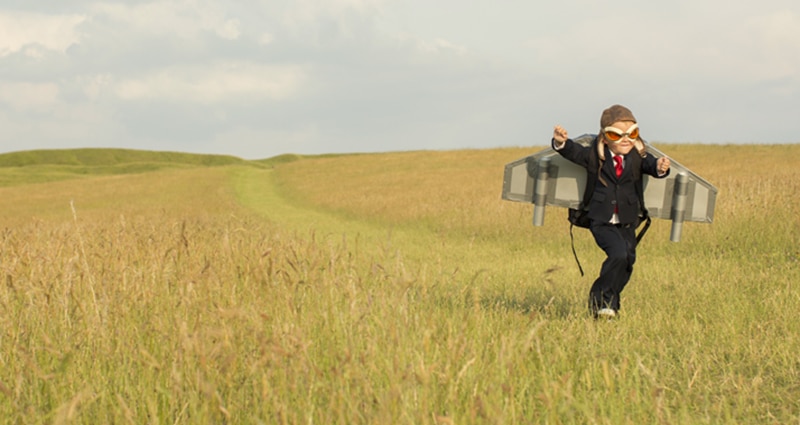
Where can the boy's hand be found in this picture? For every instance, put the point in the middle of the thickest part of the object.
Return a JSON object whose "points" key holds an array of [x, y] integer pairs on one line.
{"points": [[559, 134], [662, 165]]}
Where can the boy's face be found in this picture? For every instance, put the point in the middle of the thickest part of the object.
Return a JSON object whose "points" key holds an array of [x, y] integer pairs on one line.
{"points": [[624, 145]]}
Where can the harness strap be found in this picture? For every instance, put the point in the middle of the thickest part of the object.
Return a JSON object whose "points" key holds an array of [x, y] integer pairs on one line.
{"points": [[644, 230], [575, 254], [572, 240]]}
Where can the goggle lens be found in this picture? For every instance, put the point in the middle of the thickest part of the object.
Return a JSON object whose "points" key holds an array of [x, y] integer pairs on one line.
{"points": [[616, 135]]}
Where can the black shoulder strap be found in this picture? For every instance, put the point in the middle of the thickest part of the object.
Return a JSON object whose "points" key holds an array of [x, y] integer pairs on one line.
{"points": [[574, 253], [637, 175], [591, 175], [647, 221], [591, 181]]}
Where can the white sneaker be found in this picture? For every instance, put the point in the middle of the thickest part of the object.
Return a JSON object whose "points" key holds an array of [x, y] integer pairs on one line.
{"points": [[606, 313]]}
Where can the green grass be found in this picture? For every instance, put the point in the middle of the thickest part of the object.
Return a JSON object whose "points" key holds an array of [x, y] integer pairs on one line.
{"points": [[39, 166], [108, 157], [388, 288]]}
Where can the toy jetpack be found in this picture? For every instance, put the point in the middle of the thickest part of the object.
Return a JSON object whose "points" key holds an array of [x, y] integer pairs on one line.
{"points": [[546, 178]]}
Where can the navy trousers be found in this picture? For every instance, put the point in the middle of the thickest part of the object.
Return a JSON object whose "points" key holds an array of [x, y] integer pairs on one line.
{"points": [[619, 243]]}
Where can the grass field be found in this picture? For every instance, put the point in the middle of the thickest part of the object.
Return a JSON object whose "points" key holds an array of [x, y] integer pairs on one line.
{"points": [[390, 288]]}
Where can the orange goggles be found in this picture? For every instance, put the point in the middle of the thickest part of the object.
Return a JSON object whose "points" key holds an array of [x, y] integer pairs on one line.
{"points": [[616, 135]]}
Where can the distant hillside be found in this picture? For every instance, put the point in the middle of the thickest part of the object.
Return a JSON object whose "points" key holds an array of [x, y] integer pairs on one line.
{"points": [[37, 166], [292, 157], [110, 157]]}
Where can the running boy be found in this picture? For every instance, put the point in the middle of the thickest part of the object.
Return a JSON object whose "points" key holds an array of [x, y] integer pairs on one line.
{"points": [[614, 210]]}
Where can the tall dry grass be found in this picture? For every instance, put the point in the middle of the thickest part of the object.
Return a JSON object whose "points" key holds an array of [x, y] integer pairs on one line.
{"points": [[392, 288], [713, 310]]}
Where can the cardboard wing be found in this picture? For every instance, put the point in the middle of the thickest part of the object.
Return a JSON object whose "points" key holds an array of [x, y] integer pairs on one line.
{"points": [[546, 178]]}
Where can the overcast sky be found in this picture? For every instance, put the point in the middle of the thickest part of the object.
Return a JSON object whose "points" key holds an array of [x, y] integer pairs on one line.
{"points": [[256, 79]]}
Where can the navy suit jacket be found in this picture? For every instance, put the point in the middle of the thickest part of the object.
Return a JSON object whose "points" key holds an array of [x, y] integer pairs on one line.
{"points": [[615, 193]]}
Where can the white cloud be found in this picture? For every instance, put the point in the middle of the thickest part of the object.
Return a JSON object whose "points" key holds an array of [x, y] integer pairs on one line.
{"points": [[341, 75], [94, 86], [774, 49], [435, 46], [311, 10], [230, 30], [215, 83], [690, 47], [266, 38], [184, 18], [62, 127], [31, 32], [327, 21], [25, 96]]}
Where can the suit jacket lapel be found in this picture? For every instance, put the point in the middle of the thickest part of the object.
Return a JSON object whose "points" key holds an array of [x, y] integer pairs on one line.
{"points": [[608, 166]]}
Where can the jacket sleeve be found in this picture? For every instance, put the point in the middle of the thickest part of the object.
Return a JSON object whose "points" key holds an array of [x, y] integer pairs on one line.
{"points": [[650, 166], [574, 152]]}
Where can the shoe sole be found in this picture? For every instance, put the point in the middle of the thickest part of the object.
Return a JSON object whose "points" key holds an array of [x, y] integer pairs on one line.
{"points": [[606, 313]]}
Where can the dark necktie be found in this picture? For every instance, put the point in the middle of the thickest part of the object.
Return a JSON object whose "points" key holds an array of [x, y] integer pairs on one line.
{"points": [[618, 165]]}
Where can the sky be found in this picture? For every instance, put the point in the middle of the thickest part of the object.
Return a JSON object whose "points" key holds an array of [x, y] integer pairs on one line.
{"points": [[256, 79]]}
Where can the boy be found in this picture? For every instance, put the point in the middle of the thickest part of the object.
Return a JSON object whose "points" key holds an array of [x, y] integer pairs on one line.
{"points": [[614, 209]]}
